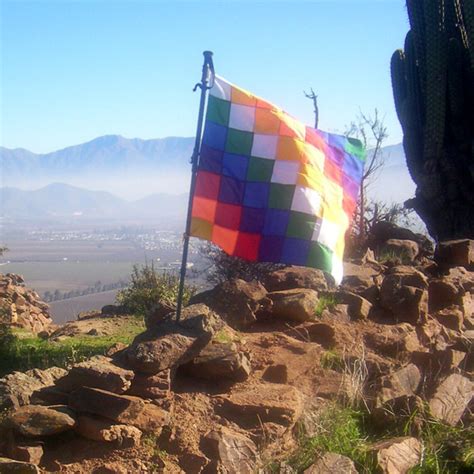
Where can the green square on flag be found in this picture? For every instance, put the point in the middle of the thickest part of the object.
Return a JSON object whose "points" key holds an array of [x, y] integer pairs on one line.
{"points": [[300, 225], [260, 169], [281, 196], [238, 142], [218, 111]]}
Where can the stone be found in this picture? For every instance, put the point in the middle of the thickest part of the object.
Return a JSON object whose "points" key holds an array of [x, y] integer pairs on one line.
{"points": [[362, 285], [298, 277], [236, 453], [36, 420], [332, 463], [10, 466], [98, 429], [123, 409], [160, 312], [405, 275], [405, 250], [30, 453], [359, 307], [157, 386], [173, 343], [277, 373], [236, 301], [262, 403], [451, 317], [443, 293], [398, 455], [220, 360], [98, 372], [406, 303], [294, 305], [454, 253], [322, 333], [403, 382], [451, 399], [393, 341], [17, 388]]}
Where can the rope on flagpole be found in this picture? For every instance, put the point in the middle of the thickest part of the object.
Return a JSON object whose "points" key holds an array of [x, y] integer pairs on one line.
{"points": [[207, 81]]}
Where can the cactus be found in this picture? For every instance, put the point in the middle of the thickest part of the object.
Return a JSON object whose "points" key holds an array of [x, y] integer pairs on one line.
{"points": [[433, 88]]}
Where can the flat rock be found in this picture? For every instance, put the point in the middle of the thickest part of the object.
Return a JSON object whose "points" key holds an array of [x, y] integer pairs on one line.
{"points": [[451, 317], [123, 409], [98, 372], [403, 382], [362, 285], [173, 343], [10, 466], [322, 333], [36, 420], [398, 455], [156, 386], [220, 360], [332, 463], [263, 403], [236, 453], [277, 373], [31, 452], [451, 399], [99, 429], [298, 277], [297, 304]]}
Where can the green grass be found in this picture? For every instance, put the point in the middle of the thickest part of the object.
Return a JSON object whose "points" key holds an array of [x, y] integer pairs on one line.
{"points": [[331, 360], [339, 430], [328, 301], [22, 351]]}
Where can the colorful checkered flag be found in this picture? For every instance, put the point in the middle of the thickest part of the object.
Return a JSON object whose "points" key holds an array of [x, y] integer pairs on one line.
{"points": [[270, 189]]}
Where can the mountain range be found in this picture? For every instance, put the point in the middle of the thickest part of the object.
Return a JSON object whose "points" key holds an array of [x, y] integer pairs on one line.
{"points": [[134, 168], [59, 200]]}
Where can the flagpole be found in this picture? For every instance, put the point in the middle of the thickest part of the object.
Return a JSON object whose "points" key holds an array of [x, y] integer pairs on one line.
{"points": [[204, 85]]}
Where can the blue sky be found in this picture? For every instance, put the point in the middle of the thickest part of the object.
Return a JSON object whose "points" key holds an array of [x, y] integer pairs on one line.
{"points": [[75, 70]]}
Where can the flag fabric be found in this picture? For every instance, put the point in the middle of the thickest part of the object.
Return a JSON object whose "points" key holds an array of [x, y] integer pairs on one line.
{"points": [[270, 189]]}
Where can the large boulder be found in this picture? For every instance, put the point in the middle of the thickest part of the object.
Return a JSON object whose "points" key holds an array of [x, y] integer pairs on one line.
{"points": [[10, 466], [298, 277], [236, 301], [36, 420], [98, 372], [451, 399], [234, 452], [403, 293], [17, 388], [220, 361], [154, 386], [298, 304], [403, 382], [403, 249], [173, 343], [362, 285], [455, 253], [358, 306]]}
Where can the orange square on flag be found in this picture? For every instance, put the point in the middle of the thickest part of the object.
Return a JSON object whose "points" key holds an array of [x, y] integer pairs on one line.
{"points": [[290, 149], [266, 122], [201, 228], [239, 96], [226, 239], [204, 208]]}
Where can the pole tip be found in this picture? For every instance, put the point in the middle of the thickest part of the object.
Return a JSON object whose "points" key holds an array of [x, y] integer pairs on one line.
{"points": [[207, 53]]}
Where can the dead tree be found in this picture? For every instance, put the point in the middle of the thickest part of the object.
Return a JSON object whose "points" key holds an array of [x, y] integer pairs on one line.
{"points": [[314, 98]]}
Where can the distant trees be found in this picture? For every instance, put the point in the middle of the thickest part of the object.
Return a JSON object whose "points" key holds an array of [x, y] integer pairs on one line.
{"points": [[98, 287]]}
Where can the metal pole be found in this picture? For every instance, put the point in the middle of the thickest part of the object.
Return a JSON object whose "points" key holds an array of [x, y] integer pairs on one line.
{"points": [[204, 85]]}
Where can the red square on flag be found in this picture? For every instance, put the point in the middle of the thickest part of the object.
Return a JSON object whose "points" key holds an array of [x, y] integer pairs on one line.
{"points": [[247, 246], [228, 215], [207, 185]]}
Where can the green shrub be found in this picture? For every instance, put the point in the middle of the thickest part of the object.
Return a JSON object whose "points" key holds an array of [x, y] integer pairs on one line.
{"points": [[328, 301], [147, 287]]}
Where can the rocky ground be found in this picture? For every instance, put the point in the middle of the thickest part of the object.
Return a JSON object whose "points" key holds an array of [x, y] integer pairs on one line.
{"points": [[252, 369]]}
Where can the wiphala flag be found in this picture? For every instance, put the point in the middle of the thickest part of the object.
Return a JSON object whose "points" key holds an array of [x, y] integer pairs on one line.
{"points": [[270, 189]]}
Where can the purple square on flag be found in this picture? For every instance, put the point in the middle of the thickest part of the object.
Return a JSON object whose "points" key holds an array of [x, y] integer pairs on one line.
{"points": [[336, 155], [256, 194], [231, 190], [295, 251], [252, 220], [276, 222], [235, 166], [337, 141], [210, 160], [270, 248], [215, 136], [353, 167], [350, 187]]}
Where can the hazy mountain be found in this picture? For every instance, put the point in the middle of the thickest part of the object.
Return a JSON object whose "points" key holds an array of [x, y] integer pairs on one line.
{"points": [[134, 168], [127, 167], [63, 200]]}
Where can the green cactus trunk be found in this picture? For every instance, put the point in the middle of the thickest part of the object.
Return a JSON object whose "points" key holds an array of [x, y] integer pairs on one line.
{"points": [[433, 87]]}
